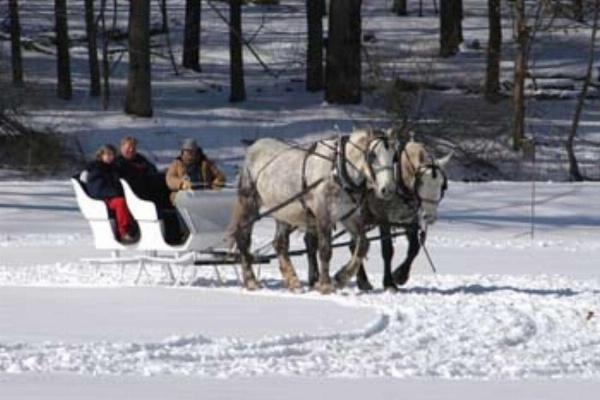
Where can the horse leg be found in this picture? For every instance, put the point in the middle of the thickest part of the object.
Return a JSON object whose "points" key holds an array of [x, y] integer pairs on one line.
{"points": [[349, 270], [244, 212], [324, 240], [311, 241], [362, 280], [281, 243], [387, 253], [401, 274]]}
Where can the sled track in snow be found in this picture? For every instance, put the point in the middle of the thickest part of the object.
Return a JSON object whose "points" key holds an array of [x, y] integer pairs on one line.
{"points": [[458, 327]]}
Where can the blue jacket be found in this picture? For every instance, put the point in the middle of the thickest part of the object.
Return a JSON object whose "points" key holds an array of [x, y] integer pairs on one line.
{"points": [[103, 181]]}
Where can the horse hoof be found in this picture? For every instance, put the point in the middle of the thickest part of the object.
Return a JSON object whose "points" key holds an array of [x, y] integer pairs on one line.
{"points": [[340, 281], [400, 279], [391, 289], [294, 285], [364, 286], [324, 288], [252, 285]]}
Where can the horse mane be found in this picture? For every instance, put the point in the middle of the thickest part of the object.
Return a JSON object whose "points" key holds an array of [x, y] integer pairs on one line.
{"points": [[412, 157]]}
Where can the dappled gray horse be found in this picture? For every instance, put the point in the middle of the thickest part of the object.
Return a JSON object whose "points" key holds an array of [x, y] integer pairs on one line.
{"points": [[311, 188], [421, 183]]}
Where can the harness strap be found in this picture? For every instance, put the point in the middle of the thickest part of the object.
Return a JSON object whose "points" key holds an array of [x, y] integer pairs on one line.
{"points": [[340, 170], [404, 191], [309, 151]]}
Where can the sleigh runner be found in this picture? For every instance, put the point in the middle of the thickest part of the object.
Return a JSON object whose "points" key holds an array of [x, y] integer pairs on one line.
{"points": [[205, 214]]}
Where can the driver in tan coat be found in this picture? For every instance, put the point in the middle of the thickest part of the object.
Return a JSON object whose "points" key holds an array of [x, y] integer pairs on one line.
{"points": [[193, 170]]}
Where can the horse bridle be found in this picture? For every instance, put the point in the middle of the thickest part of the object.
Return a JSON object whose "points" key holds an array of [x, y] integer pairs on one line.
{"points": [[435, 169], [419, 173]]}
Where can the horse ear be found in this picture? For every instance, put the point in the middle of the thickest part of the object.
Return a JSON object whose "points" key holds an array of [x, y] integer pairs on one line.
{"points": [[394, 132], [390, 133], [442, 162]]}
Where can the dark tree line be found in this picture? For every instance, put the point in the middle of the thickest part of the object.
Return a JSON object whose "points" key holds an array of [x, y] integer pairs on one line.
{"points": [[339, 73], [333, 63]]}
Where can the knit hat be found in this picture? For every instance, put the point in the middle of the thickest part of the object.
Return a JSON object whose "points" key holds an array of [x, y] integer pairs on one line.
{"points": [[189, 144]]}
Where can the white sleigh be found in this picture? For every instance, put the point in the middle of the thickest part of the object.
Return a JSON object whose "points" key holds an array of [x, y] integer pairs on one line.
{"points": [[206, 214]]}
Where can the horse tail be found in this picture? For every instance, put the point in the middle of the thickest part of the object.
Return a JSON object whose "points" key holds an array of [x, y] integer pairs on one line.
{"points": [[244, 209]]}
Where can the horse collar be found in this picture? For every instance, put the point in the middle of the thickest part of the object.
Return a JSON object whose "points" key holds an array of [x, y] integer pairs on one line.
{"points": [[341, 171]]}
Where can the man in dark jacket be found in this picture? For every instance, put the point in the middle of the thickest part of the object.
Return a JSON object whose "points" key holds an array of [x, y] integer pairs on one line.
{"points": [[142, 175]]}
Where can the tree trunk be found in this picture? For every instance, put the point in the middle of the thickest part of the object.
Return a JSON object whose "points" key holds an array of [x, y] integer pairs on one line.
{"points": [[492, 77], [450, 27], [15, 41], [105, 60], [458, 17], [90, 27], [139, 86], [574, 172], [167, 32], [236, 62], [238, 89], [314, 54], [520, 70], [399, 7], [578, 10], [63, 62], [191, 36], [343, 69]]}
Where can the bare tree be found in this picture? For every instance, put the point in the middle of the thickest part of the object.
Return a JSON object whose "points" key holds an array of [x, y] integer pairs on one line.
{"points": [[450, 27], [90, 27], [399, 7], [492, 77], [578, 10], [314, 54], [191, 36], [238, 88], [105, 60], [520, 69], [574, 171], [343, 62], [63, 62], [139, 85], [167, 32], [15, 41]]}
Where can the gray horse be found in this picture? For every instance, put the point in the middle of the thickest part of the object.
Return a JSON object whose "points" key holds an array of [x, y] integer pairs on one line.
{"points": [[312, 189], [421, 183]]}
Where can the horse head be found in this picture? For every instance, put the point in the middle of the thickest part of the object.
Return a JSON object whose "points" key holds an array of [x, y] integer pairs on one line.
{"points": [[424, 177], [371, 156]]}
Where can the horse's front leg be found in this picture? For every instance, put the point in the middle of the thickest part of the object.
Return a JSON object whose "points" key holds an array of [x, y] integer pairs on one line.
{"points": [[350, 270], [402, 273], [387, 253], [324, 238], [311, 241], [281, 243], [362, 279]]}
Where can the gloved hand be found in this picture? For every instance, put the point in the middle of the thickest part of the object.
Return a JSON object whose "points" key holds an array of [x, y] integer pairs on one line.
{"points": [[218, 185], [185, 184]]}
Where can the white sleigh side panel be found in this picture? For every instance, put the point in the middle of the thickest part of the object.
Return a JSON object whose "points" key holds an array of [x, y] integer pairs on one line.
{"points": [[98, 217], [152, 231], [207, 214]]}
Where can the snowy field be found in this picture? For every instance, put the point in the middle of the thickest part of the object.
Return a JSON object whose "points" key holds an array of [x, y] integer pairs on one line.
{"points": [[506, 313], [513, 311]]}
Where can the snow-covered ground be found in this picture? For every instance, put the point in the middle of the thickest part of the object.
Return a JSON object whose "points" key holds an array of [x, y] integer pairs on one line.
{"points": [[514, 309]]}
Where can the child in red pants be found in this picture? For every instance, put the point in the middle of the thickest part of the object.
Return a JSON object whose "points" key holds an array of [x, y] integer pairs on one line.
{"points": [[103, 183]]}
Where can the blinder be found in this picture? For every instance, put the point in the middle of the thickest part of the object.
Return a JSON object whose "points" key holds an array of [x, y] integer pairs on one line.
{"points": [[435, 170]]}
